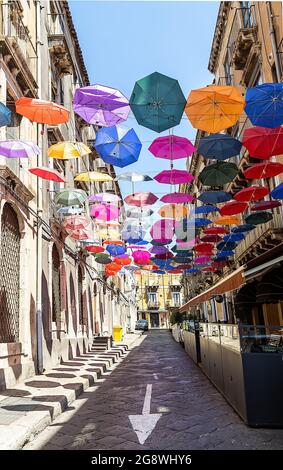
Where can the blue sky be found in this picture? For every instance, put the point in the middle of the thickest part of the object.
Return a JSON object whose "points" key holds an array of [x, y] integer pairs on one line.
{"points": [[125, 41]]}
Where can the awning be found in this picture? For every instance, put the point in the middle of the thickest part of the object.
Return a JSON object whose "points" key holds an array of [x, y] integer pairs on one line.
{"points": [[231, 282]]}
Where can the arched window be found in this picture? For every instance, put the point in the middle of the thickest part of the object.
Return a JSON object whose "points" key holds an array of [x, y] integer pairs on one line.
{"points": [[9, 276], [56, 294], [80, 296]]}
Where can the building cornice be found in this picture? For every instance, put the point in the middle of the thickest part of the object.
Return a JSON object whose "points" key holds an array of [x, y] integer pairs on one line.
{"points": [[218, 35]]}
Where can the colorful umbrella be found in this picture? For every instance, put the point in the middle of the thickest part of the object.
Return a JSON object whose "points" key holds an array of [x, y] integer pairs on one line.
{"points": [[258, 218], [214, 108], [224, 254], [113, 242], [67, 150], [125, 261], [107, 232], [44, 112], [215, 197], [263, 170], [211, 238], [206, 209], [158, 250], [101, 105], [219, 146], [215, 231], [227, 220], [105, 211], [277, 193], [76, 222], [70, 197], [5, 115], [118, 146], [252, 193], [233, 207], [234, 237], [18, 149], [103, 258], [264, 105], [115, 249], [173, 211], [165, 256], [93, 177], [163, 229], [202, 259], [105, 223], [201, 222], [47, 174], [174, 177], [176, 198], [262, 142], [139, 213], [80, 234], [94, 249], [218, 174], [70, 210], [262, 206], [243, 228], [171, 147], [157, 102], [133, 177], [204, 248], [192, 271], [141, 257], [140, 199], [226, 246], [104, 197]]}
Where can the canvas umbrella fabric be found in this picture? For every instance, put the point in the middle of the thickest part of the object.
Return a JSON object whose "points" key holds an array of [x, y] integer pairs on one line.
{"points": [[118, 146], [219, 146], [47, 174], [157, 102], [215, 197], [264, 105], [243, 228], [70, 210], [5, 115], [101, 105], [233, 207], [105, 211], [44, 112], [227, 220], [107, 232], [171, 147], [133, 177], [214, 108], [204, 248], [211, 238], [80, 234], [277, 193], [174, 177], [263, 170], [173, 211], [157, 250], [176, 198], [264, 205], [141, 257], [104, 197], [68, 150], [218, 174], [70, 197], [258, 218], [94, 249], [103, 258], [252, 193], [76, 222], [141, 199], [226, 246], [234, 237], [262, 142], [105, 223], [18, 149], [207, 209], [113, 242], [139, 213], [93, 177], [215, 231], [114, 250]]}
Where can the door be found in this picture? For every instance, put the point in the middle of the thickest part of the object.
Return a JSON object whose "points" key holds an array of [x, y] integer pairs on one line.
{"points": [[154, 320]]}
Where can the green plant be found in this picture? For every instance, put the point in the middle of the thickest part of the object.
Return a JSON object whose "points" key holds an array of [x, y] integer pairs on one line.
{"points": [[177, 317]]}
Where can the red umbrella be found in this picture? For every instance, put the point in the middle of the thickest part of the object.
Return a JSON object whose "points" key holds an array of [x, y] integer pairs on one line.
{"points": [[94, 248], [209, 269], [211, 238], [174, 177], [184, 266], [218, 264], [263, 170], [233, 207], [262, 206], [175, 271], [263, 142], [164, 255], [252, 193], [141, 199], [215, 231], [47, 174], [204, 248]]}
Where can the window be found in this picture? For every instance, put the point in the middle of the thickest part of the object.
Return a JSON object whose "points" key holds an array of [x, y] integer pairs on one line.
{"points": [[152, 298], [56, 292], [176, 298], [227, 69], [247, 15]]}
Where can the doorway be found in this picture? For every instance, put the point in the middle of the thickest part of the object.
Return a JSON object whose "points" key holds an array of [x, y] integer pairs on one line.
{"points": [[154, 320]]}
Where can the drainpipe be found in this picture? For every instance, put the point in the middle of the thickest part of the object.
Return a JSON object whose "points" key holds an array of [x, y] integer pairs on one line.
{"points": [[273, 41]]}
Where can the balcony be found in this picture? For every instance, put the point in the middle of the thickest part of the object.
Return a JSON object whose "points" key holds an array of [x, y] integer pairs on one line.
{"points": [[243, 36], [153, 305]]}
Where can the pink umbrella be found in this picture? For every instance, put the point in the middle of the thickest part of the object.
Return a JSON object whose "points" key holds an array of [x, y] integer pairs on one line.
{"points": [[171, 147], [163, 229], [141, 256], [81, 234], [176, 198], [174, 177], [202, 259], [76, 222], [141, 199], [104, 197], [105, 211], [186, 245]]}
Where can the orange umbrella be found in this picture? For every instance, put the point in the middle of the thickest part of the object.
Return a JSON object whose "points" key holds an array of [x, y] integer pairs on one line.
{"points": [[113, 242], [214, 108], [173, 211], [123, 261], [228, 220], [114, 266], [44, 112]]}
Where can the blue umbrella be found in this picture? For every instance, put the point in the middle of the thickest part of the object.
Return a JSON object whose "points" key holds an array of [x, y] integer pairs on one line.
{"points": [[234, 237], [158, 271], [264, 105], [226, 246], [118, 146], [5, 115], [202, 222], [215, 197], [243, 228], [191, 271], [277, 193], [224, 254], [206, 209], [219, 146], [142, 242], [114, 250]]}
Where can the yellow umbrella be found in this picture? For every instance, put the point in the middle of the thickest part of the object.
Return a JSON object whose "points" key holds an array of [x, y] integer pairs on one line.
{"points": [[112, 223], [67, 150], [93, 176], [228, 220], [107, 233], [173, 211]]}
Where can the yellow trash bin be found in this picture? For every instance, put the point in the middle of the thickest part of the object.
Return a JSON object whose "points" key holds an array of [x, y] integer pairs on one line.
{"points": [[117, 333]]}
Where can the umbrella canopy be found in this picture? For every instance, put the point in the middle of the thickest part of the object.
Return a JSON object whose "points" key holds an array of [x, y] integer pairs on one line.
{"points": [[104, 197], [211, 238], [115, 250], [105, 211], [227, 220], [133, 177], [214, 108], [233, 207], [226, 246], [118, 146], [134, 224], [157, 102], [202, 259], [204, 248], [263, 170], [70, 197], [176, 198], [124, 261], [113, 242], [93, 176], [158, 250], [44, 112], [218, 174], [258, 218], [252, 193], [105, 223], [139, 213], [101, 105], [173, 211], [262, 142], [47, 174], [261, 206], [81, 234], [107, 232], [215, 231], [141, 256], [103, 258], [174, 177], [171, 147], [67, 150], [234, 237], [165, 256], [163, 229], [243, 228], [277, 193], [206, 209], [224, 254], [94, 249], [76, 222], [264, 105], [70, 210], [5, 115], [18, 149], [219, 146], [215, 197], [140, 199]]}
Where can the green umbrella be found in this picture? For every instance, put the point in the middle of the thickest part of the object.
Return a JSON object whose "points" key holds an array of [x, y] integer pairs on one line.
{"points": [[155, 243], [102, 258], [157, 102], [258, 218], [70, 197], [218, 174]]}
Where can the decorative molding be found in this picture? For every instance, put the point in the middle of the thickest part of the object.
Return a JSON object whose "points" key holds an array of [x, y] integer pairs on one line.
{"points": [[218, 34], [16, 184]]}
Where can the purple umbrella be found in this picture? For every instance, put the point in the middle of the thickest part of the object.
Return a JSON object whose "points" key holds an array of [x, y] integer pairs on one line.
{"points": [[176, 198], [101, 105], [158, 250], [18, 149], [174, 177], [104, 197]]}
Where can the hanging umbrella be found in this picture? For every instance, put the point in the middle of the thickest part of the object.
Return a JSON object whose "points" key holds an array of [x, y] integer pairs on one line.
{"points": [[18, 149], [158, 243], [263, 170], [218, 174], [70, 210], [215, 197], [252, 193], [262, 206], [94, 249], [134, 224], [105, 211], [233, 207], [171, 147], [70, 197], [165, 256], [133, 238], [101, 105], [214, 108], [140, 199], [243, 228], [44, 112], [226, 246], [185, 229], [107, 232], [80, 234], [176, 198], [118, 146], [105, 223], [211, 238], [174, 177], [233, 237], [219, 146], [258, 218], [47, 174], [158, 271], [206, 209], [227, 220], [115, 250], [201, 222], [264, 105], [202, 259], [163, 229], [277, 193], [125, 261], [215, 231], [103, 258], [104, 197], [157, 102], [158, 250], [93, 176], [204, 248], [141, 257], [89, 241], [5, 115], [113, 242], [76, 222], [224, 255], [262, 142], [192, 271], [139, 213], [67, 150], [173, 211]]}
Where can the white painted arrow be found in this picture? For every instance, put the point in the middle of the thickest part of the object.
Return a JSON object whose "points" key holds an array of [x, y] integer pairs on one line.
{"points": [[144, 424]]}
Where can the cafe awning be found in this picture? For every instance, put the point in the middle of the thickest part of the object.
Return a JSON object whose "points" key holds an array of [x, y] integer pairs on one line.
{"points": [[231, 282]]}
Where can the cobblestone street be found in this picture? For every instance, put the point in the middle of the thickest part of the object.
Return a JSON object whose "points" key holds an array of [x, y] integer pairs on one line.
{"points": [[157, 379]]}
